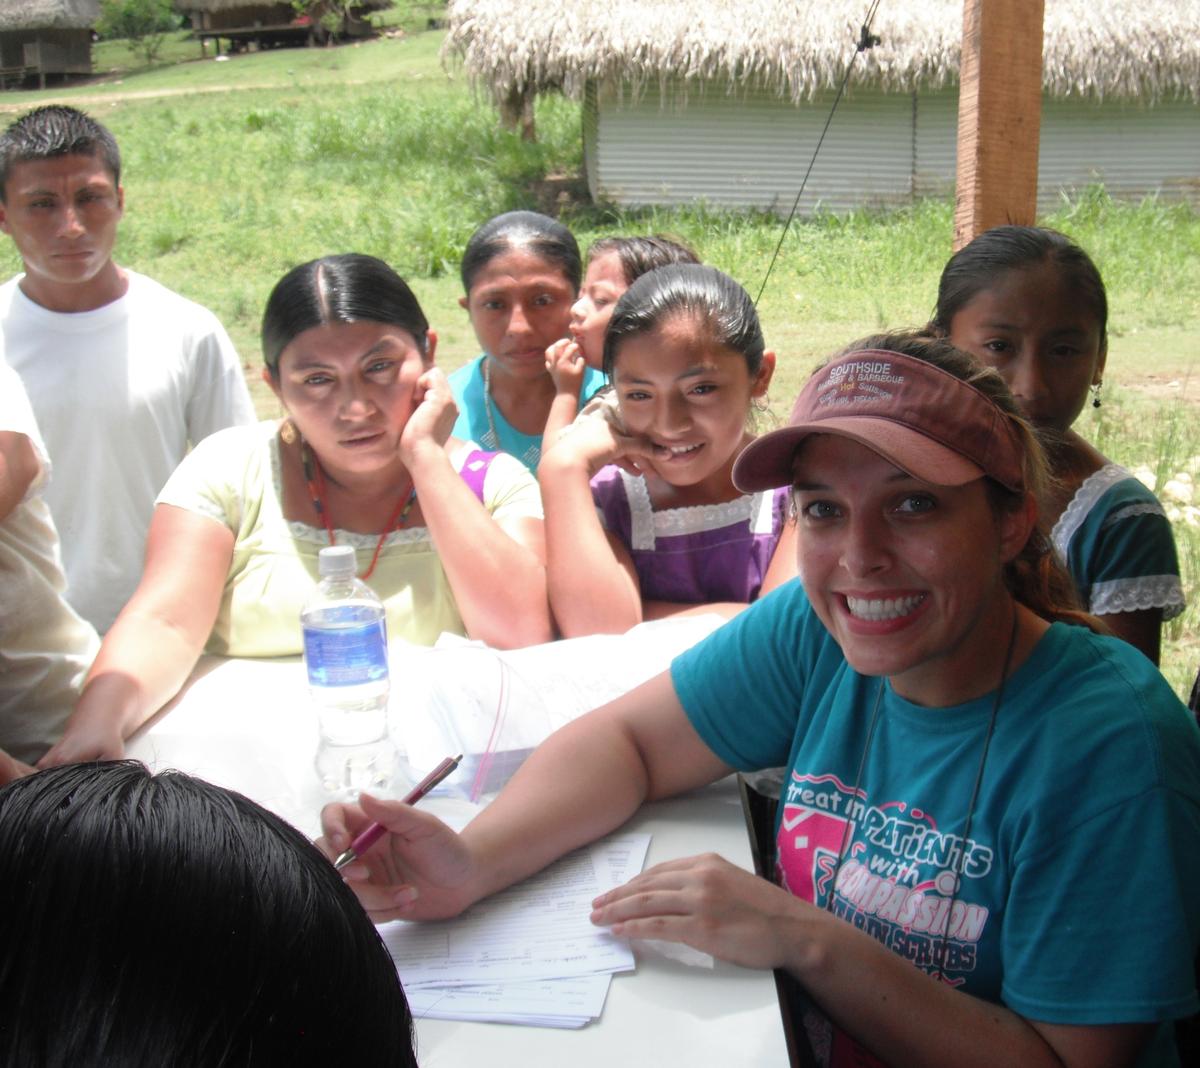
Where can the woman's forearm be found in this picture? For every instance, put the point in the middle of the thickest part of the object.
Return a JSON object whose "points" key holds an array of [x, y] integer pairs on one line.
{"points": [[154, 644], [499, 583], [591, 592], [579, 785], [587, 779], [905, 1016], [563, 410], [141, 665]]}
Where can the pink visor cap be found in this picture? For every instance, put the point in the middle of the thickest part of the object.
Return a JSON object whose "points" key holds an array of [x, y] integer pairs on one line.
{"points": [[915, 415]]}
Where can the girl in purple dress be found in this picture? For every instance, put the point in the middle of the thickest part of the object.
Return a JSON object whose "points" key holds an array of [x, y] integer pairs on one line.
{"points": [[642, 517]]}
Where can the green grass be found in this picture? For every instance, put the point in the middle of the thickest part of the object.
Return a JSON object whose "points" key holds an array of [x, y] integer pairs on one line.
{"points": [[119, 57], [237, 170]]}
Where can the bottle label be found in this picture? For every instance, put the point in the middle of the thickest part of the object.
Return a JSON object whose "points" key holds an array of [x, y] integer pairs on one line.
{"points": [[346, 656]]}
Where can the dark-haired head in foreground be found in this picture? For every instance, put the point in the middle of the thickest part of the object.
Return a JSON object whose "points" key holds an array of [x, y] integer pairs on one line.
{"points": [[160, 920]]}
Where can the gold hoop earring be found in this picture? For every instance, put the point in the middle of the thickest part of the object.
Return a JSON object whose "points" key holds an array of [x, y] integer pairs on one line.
{"points": [[287, 432]]}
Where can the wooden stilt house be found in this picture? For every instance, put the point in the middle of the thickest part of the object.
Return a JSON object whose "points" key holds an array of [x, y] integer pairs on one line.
{"points": [[267, 23], [40, 37]]}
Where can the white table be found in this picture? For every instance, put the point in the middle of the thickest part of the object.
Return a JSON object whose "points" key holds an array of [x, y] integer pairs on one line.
{"points": [[247, 725]]}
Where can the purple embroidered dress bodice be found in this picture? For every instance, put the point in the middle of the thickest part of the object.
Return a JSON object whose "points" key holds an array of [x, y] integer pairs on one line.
{"points": [[698, 555]]}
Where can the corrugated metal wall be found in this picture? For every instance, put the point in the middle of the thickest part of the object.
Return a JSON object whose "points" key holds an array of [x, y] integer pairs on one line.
{"points": [[752, 150], [1134, 150]]}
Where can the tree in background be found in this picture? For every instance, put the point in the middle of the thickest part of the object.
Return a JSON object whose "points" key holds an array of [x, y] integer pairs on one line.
{"points": [[143, 23]]}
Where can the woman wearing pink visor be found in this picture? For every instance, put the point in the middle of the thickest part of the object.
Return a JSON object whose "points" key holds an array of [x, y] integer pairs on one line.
{"points": [[989, 836]]}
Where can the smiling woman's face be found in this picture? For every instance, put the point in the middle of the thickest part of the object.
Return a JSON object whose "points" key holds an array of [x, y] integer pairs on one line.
{"points": [[350, 389], [905, 575], [688, 396]]}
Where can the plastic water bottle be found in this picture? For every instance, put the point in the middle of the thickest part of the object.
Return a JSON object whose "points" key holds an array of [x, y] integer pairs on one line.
{"points": [[345, 654]]}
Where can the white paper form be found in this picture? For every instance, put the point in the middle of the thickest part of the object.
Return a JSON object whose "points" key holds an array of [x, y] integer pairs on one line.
{"points": [[538, 929], [568, 1003]]}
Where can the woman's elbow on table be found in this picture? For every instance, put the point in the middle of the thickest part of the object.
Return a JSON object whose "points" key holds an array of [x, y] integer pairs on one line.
{"points": [[517, 629]]}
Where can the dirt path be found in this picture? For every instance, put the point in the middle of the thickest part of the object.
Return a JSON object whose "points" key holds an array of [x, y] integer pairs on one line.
{"points": [[151, 94]]}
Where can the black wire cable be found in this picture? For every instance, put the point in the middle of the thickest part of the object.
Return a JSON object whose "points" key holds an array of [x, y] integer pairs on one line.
{"points": [[866, 40]]}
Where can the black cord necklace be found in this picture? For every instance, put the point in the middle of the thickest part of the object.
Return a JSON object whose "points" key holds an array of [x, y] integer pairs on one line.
{"points": [[956, 869]]}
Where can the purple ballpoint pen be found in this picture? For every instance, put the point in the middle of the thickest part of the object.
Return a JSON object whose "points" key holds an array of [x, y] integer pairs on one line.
{"points": [[376, 830]]}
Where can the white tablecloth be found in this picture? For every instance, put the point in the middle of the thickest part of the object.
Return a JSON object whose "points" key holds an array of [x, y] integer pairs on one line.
{"points": [[247, 725]]}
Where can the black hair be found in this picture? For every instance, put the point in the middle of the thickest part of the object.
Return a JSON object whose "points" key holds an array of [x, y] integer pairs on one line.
{"points": [[158, 919], [541, 235], [350, 288], [977, 265], [52, 131], [691, 290], [639, 255]]}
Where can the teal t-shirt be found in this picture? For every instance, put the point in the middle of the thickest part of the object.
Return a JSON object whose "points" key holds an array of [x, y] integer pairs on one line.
{"points": [[495, 433], [1077, 902]]}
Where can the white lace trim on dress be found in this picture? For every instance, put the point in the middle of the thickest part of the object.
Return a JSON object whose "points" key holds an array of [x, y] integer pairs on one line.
{"points": [[1090, 491], [647, 525], [641, 513], [1138, 595], [1130, 510], [318, 536]]}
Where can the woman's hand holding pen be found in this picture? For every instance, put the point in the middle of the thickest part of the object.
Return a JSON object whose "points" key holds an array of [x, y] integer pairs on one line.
{"points": [[419, 870]]}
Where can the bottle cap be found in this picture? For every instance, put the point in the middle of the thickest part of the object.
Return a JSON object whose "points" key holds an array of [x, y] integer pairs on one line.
{"points": [[337, 561]]}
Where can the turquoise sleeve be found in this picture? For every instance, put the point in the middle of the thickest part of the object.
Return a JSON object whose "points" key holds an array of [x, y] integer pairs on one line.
{"points": [[742, 686]]}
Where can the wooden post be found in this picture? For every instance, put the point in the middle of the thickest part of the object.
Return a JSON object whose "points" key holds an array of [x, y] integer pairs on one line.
{"points": [[999, 115]]}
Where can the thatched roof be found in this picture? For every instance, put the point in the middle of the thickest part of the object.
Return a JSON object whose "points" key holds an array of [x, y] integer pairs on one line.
{"points": [[48, 14], [187, 6], [1125, 48]]}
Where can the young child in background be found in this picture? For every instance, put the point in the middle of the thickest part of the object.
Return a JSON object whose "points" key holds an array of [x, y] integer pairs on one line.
{"points": [[614, 264], [1031, 303], [686, 357], [521, 273]]}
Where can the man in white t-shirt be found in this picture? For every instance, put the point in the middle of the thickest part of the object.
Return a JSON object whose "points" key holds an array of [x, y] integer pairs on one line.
{"points": [[123, 374]]}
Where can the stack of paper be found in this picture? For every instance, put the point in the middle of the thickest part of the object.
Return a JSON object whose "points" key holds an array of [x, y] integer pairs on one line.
{"points": [[527, 955]]}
